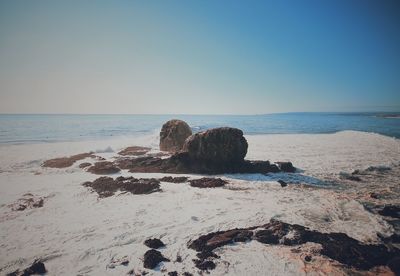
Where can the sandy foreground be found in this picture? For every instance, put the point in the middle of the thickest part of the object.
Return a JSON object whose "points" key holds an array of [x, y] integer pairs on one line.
{"points": [[76, 233]]}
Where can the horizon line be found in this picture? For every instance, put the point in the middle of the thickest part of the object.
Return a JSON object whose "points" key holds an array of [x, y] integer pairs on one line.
{"points": [[205, 114]]}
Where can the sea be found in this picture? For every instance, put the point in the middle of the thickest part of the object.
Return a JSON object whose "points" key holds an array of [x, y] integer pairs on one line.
{"points": [[48, 128]]}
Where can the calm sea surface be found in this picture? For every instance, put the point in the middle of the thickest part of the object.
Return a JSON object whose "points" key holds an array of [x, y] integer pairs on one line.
{"points": [[15, 129]]}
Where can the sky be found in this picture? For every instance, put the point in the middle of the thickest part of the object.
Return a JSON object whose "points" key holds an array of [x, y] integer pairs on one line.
{"points": [[199, 57]]}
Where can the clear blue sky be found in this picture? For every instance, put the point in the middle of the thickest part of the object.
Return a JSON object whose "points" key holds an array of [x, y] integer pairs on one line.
{"points": [[199, 57]]}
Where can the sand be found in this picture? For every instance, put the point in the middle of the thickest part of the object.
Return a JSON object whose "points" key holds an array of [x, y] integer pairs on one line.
{"points": [[77, 233]]}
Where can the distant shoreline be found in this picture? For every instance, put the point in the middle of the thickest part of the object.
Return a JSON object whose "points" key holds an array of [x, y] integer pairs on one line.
{"points": [[389, 116]]}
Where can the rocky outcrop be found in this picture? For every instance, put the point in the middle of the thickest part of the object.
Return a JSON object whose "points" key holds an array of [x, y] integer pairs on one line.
{"points": [[27, 201], [178, 179], [84, 165], [134, 151], [154, 243], [206, 182], [337, 246], [215, 151], [182, 163], [173, 135], [217, 145], [152, 258], [106, 186], [283, 183], [64, 162], [104, 167], [286, 167]]}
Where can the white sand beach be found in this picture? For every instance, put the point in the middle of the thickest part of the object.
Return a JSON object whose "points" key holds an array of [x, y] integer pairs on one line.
{"points": [[77, 233]]}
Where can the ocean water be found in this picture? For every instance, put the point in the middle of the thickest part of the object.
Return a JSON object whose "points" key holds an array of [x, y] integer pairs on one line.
{"points": [[16, 129]]}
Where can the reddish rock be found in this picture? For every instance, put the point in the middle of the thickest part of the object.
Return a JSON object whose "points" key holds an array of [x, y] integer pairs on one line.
{"points": [[135, 151], [104, 167], [64, 162], [173, 135], [106, 186], [207, 182], [84, 165]]}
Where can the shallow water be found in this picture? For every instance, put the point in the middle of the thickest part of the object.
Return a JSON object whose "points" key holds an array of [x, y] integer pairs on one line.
{"points": [[16, 129]]}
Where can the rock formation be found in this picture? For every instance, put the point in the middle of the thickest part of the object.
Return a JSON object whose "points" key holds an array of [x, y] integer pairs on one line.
{"points": [[214, 151], [337, 246], [217, 145], [106, 186], [173, 135]]}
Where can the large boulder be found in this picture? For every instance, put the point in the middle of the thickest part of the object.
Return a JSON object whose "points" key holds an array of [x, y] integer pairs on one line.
{"points": [[217, 145], [173, 135]]}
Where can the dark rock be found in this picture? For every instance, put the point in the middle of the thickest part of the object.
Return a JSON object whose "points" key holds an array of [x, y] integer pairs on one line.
{"points": [[37, 267], [374, 195], [215, 151], [337, 246], [286, 167], [379, 169], [356, 172], [273, 168], [152, 258], [84, 165], [64, 162], [205, 244], [172, 273], [104, 167], [178, 259], [106, 186], [217, 145], [207, 254], [283, 183], [390, 211], [187, 274], [135, 151], [179, 179], [204, 264], [27, 201], [394, 265], [394, 238], [207, 182], [181, 163], [308, 258], [213, 240], [139, 272], [350, 177], [154, 243], [173, 135]]}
